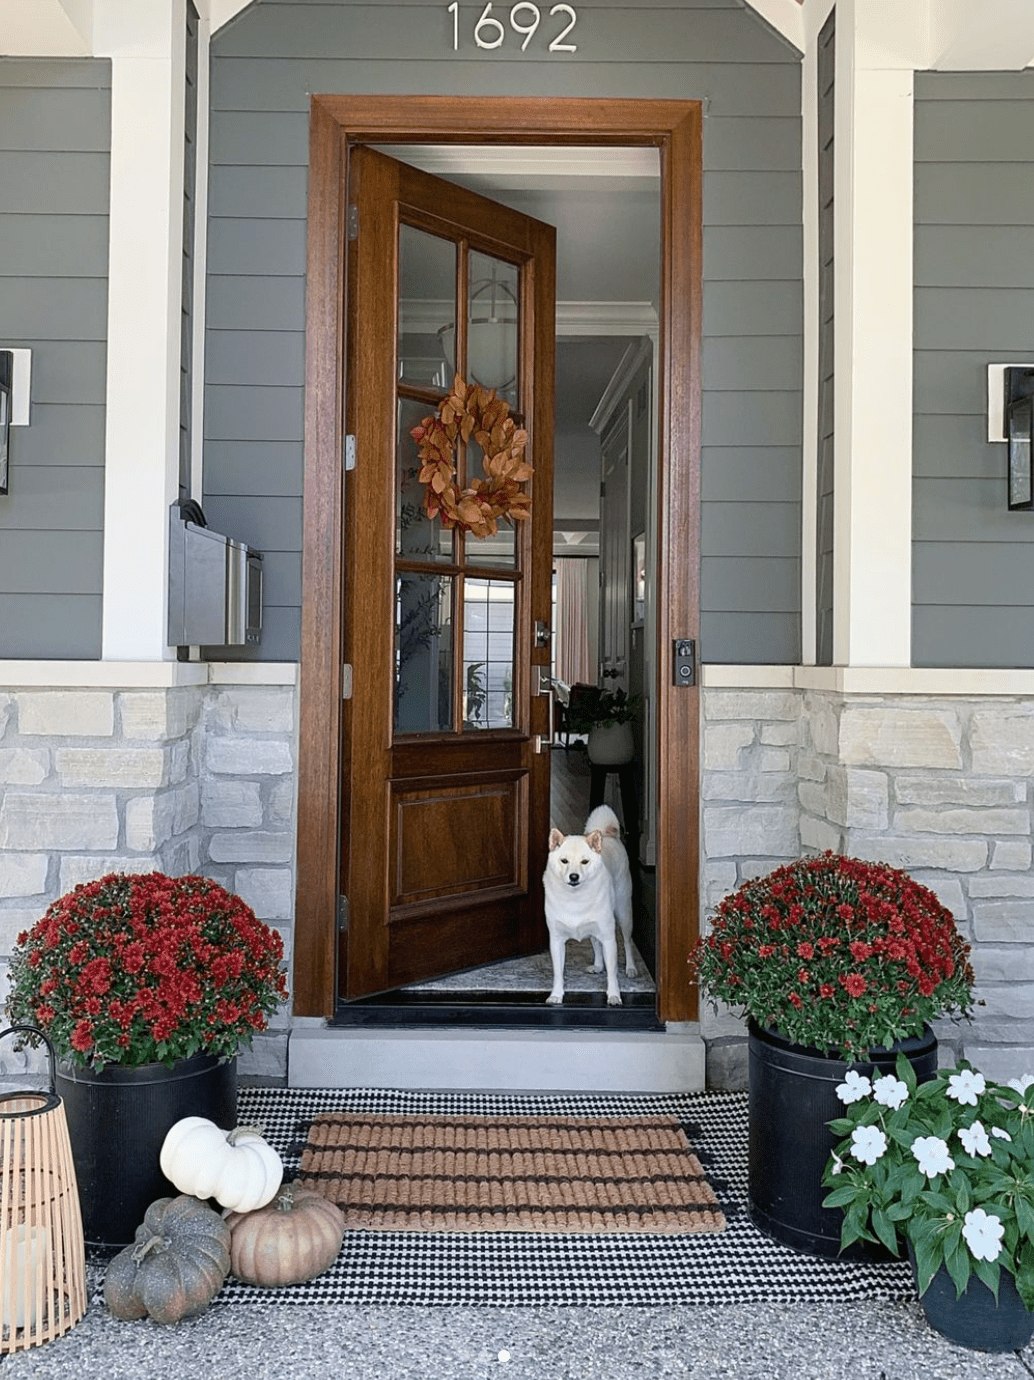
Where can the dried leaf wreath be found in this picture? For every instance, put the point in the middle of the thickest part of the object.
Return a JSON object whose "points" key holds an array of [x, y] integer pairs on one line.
{"points": [[473, 411]]}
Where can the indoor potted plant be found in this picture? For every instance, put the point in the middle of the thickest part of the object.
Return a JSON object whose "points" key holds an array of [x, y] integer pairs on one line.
{"points": [[948, 1165], [606, 717], [147, 986], [835, 961]]}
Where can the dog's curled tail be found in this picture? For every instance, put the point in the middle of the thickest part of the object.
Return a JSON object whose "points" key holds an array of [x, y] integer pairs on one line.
{"points": [[605, 820]]}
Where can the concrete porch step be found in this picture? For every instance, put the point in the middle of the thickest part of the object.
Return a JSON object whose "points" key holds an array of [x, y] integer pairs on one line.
{"points": [[498, 1060]]}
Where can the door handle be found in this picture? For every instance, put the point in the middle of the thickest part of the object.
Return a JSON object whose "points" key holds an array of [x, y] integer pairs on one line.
{"points": [[544, 686]]}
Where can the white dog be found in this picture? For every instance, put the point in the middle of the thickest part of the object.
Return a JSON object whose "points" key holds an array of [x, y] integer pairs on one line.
{"points": [[588, 888]]}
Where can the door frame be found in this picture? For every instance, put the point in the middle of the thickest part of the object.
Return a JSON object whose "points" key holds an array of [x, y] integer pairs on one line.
{"points": [[675, 129]]}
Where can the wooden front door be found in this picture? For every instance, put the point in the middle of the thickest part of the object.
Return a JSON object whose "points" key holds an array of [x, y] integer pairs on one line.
{"points": [[445, 791]]}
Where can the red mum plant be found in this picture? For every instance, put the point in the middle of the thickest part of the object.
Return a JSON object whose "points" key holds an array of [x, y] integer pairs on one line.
{"points": [[140, 969], [837, 954]]}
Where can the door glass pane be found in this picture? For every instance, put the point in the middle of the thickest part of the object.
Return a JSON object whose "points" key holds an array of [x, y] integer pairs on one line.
{"points": [[498, 551], [423, 654], [492, 327], [427, 307], [488, 619], [416, 536]]}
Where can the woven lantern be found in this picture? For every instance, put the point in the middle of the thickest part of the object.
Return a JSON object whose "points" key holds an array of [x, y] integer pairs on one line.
{"points": [[42, 1254]]}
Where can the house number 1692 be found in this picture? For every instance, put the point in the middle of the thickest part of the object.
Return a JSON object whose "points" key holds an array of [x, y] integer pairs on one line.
{"points": [[525, 18]]}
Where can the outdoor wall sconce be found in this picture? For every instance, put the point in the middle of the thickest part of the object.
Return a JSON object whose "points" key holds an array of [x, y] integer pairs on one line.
{"points": [[15, 369], [1019, 414]]}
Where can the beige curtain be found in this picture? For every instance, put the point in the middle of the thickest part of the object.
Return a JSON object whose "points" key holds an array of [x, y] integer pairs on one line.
{"points": [[573, 663]]}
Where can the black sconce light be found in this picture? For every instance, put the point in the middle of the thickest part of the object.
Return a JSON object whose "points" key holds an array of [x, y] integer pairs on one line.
{"points": [[1019, 418], [6, 389]]}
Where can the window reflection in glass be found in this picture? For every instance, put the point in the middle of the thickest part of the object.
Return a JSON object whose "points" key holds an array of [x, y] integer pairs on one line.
{"points": [[488, 624], [427, 302], [423, 654], [416, 535]]}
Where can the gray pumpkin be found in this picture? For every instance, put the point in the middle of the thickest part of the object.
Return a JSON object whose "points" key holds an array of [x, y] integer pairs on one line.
{"points": [[176, 1265]]}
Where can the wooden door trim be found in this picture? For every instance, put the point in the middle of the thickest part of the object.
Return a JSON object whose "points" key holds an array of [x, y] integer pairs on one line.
{"points": [[335, 122]]}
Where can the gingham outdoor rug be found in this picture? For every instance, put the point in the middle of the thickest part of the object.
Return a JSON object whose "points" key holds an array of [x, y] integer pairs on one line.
{"points": [[543, 1269], [509, 1173]]}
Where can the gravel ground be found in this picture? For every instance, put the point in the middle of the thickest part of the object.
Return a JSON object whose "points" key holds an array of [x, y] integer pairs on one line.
{"points": [[861, 1341]]}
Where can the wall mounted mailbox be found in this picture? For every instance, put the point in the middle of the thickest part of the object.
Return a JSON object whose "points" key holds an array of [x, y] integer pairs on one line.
{"points": [[215, 584], [1019, 417]]}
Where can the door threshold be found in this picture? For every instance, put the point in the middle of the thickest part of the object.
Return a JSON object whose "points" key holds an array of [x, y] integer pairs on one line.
{"points": [[498, 1010]]}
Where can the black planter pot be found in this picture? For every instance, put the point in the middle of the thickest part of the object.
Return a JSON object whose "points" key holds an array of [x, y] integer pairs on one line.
{"points": [[117, 1121], [975, 1320], [792, 1100]]}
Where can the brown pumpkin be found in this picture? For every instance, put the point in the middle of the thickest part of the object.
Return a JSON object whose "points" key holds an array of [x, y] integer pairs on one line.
{"points": [[176, 1265], [294, 1238]]}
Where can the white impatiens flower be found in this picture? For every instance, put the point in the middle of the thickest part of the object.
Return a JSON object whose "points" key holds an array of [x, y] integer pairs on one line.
{"points": [[1021, 1084], [868, 1143], [853, 1088], [1000, 1132], [890, 1091], [974, 1139], [966, 1087], [838, 1164], [932, 1154], [983, 1232]]}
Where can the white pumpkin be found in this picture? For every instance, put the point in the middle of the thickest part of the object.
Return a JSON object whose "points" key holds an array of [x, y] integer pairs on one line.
{"points": [[237, 1168]]}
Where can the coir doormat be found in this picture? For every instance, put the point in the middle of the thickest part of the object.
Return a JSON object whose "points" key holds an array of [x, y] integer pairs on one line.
{"points": [[542, 1173]]}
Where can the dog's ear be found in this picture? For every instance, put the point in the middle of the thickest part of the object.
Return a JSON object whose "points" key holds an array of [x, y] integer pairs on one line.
{"points": [[556, 838], [595, 840]]}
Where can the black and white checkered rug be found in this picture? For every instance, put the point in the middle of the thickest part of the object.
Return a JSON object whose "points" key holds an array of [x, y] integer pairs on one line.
{"points": [[739, 1265]]}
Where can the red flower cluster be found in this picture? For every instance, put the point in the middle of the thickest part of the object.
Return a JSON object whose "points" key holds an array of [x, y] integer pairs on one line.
{"points": [[881, 955], [139, 969]]}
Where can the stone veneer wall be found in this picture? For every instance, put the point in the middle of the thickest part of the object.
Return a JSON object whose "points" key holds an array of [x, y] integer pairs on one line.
{"points": [[938, 786], [197, 778]]}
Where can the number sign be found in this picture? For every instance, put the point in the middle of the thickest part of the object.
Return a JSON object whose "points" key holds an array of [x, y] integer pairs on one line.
{"points": [[490, 32]]}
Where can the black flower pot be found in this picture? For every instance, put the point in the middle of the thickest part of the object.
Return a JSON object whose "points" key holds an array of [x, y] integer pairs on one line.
{"points": [[117, 1121], [793, 1099], [975, 1320]]}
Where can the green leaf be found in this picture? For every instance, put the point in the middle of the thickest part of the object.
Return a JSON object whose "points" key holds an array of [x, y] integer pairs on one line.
{"points": [[989, 1271], [928, 1261], [957, 1261], [906, 1073], [840, 1196], [884, 1229], [1024, 1216]]}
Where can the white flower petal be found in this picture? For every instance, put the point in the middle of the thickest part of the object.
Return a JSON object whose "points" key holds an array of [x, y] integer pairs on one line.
{"points": [[890, 1091], [974, 1139], [1000, 1132], [966, 1087], [853, 1088], [983, 1234], [932, 1155], [868, 1144], [1022, 1084]]}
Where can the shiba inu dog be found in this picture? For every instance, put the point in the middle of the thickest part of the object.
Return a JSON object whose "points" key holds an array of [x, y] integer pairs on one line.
{"points": [[588, 888]]}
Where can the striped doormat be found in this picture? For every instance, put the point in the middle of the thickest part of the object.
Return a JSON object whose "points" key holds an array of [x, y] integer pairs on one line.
{"points": [[537, 1173]]}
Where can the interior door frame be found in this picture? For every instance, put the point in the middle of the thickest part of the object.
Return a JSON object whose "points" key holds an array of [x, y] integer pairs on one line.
{"points": [[675, 129]]}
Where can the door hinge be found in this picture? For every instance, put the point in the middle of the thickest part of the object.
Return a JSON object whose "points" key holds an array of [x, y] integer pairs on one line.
{"points": [[353, 221], [342, 914], [346, 681], [349, 452]]}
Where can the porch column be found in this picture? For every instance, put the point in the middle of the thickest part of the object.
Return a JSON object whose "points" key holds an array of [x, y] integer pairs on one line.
{"points": [[876, 51], [145, 40]]}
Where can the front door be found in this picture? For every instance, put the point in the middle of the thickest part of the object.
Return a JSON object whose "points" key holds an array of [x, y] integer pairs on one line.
{"points": [[445, 788]]}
